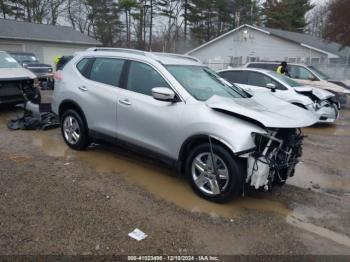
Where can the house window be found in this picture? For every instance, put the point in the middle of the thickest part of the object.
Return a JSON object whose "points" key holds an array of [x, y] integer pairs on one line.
{"points": [[292, 60], [253, 59], [315, 60]]}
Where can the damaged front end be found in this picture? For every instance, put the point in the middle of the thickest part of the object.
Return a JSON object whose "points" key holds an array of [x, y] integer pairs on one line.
{"points": [[274, 158], [325, 104]]}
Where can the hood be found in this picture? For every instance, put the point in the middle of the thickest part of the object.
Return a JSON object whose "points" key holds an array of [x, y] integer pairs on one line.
{"points": [[266, 109], [38, 65], [330, 86], [344, 83], [318, 92], [15, 74]]}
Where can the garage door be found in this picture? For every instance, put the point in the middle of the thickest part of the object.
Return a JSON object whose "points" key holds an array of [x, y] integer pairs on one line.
{"points": [[11, 47]]}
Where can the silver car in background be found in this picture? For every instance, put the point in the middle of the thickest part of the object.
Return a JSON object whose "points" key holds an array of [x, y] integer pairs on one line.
{"points": [[319, 101], [176, 109]]}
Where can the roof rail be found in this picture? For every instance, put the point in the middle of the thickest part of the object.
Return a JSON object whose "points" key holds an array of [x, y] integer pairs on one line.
{"points": [[110, 49], [178, 56]]}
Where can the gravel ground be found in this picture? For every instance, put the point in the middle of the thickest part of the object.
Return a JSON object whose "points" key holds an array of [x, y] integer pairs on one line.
{"points": [[57, 201]]}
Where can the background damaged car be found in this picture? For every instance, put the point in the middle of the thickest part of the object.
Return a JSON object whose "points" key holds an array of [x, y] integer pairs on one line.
{"points": [[44, 72], [16, 81], [319, 101], [311, 76], [176, 109]]}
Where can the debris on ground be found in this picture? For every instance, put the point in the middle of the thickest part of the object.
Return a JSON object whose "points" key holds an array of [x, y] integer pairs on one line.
{"points": [[34, 117], [137, 234]]}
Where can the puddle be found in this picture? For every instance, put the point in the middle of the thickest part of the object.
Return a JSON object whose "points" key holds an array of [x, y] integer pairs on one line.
{"points": [[328, 130], [159, 180], [307, 177], [320, 231], [164, 183], [341, 127]]}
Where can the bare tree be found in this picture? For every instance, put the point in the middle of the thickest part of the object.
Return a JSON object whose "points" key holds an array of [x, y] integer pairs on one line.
{"points": [[317, 20]]}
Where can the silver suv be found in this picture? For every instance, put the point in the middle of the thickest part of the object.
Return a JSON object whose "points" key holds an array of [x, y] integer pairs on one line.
{"points": [[176, 109]]}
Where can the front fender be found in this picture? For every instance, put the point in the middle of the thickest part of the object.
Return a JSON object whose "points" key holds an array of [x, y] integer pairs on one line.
{"points": [[233, 132]]}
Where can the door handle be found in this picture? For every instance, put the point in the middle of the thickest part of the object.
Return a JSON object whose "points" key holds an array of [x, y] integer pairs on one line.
{"points": [[83, 88], [125, 102]]}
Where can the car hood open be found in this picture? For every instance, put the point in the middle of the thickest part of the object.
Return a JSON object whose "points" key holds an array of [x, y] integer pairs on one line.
{"points": [[9, 74], [266, 109], [319, 93]]}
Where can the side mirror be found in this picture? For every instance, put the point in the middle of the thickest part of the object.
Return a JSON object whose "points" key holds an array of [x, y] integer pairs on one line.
{"points": [[271, 86], [312, 78], [163, 94]]}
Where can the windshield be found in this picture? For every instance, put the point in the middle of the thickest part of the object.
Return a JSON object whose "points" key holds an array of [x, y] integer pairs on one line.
{"points": [[6, 61], [285, 79], [25, 58], [322, 75], [203, 83]]}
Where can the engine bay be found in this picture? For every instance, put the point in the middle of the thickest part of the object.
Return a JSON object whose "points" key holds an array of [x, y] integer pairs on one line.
{"points": [[274, 158]]}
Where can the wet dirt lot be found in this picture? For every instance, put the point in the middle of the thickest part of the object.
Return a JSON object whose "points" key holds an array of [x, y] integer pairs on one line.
{"points": [[57, 201]]}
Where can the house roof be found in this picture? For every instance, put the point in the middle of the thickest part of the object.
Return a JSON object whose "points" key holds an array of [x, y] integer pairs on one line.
{"points": [[18, 30], [308, 41]]}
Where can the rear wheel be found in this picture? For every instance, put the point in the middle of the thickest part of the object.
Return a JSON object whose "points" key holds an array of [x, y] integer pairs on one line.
{"points": [[201, 174], [73, 130]]}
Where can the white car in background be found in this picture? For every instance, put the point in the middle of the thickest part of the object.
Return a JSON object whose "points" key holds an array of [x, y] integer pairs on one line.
{"points": [[311, 76], [319, 101]]}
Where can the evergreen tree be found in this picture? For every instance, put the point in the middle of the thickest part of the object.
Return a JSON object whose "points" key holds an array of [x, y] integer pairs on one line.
{"points": [[105, 18], [338, 22], [286, 14], [5, 8]]}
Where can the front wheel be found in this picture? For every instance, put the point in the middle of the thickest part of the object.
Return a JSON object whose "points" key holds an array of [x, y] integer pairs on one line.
{"points": [[201, 173], [73, 130]]}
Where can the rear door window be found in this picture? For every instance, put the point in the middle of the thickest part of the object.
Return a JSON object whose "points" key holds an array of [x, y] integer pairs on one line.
{"points": [[142, 78], [238, 77], [107, 71], [257, 79], [261, 80]]}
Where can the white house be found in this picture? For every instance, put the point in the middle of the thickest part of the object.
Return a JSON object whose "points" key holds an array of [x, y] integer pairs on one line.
{"points": [[45, 41], [253, 43]]}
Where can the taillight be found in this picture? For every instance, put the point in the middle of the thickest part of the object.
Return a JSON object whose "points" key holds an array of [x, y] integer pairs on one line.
{"points": [[58, 75]]}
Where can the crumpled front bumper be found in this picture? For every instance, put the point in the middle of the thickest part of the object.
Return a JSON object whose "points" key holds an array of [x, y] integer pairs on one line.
{"points": [[327, 113]]}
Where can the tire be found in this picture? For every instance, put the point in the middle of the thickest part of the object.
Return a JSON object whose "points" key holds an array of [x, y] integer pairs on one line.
{"points": [[343, 100], [74, 130], [231, 186]]}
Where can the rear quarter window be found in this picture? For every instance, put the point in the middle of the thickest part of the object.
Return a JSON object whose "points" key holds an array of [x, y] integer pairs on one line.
{"points": [[83, 66]]}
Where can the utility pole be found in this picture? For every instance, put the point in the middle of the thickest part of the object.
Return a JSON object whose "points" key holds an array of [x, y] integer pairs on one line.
{"points": [[185, 18], [251, 13], [150, 27]]}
